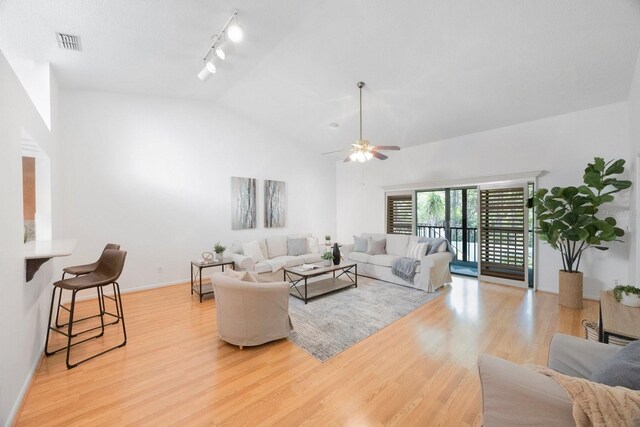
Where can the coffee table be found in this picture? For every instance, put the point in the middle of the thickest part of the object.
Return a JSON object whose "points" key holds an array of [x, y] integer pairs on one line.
{"points": [[299, 280]]}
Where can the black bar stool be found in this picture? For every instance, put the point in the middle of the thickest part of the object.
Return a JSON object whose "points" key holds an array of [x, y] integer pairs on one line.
{"points": [[107, 272], [81, 270]]}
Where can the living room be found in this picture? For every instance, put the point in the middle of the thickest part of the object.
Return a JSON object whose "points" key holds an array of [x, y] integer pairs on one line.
{"points": [[142, 153]]}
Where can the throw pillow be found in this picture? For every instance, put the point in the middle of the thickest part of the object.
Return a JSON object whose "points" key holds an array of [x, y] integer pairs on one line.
{"points": [[360, 244], [276, 246], [376, 247], [622, 369], [248, 277], [297, 247], [312, 245], [417, 250], [252, 249]]}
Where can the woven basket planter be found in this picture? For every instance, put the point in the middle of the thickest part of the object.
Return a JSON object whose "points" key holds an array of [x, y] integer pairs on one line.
{"points": [[591, 332], [570, 293]]}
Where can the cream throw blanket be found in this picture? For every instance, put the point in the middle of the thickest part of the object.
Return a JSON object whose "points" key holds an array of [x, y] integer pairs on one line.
{"points": [[597, 404]]}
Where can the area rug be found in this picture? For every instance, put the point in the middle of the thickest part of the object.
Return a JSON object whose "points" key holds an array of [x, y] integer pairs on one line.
{"points": [[331, 323]]}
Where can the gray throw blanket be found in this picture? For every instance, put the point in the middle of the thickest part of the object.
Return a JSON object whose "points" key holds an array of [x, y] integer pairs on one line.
{"points": [[405, 268]]}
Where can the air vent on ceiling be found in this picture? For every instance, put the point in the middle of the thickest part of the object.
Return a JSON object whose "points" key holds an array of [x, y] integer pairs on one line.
{"points": [[69, 42]]}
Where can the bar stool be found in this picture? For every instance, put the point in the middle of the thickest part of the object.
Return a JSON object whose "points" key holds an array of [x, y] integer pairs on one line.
{"points": [[107, 272], [81, 270]]}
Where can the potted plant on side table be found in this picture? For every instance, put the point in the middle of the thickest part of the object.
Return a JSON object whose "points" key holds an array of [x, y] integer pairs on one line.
{"points": [[567, 220], [219, 250], [627, 294]]}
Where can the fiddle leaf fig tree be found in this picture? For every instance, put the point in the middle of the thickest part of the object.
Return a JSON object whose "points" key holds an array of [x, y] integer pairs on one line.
{"points": [[567, 217]]}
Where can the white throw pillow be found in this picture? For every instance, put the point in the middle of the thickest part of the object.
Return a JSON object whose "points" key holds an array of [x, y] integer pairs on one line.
{"points": [[276, 246], [252, 249], [417, 250], [312, 245]]}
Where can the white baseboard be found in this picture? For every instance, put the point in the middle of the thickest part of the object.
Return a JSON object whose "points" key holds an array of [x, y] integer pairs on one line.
{"points": [[23, 390], [130, 290]]}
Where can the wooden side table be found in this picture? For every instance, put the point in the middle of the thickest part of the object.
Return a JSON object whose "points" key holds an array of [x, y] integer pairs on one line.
{"points": [[196, 274], [617, 319]]}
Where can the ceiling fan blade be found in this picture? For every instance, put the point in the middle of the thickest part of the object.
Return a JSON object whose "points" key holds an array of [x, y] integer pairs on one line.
{"points": [[347, 160], [386, 147], [379, 155], [336, 151]]}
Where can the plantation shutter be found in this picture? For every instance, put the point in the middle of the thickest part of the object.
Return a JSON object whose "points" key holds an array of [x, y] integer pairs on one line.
{"points": [[400, 214], [503, 235]]}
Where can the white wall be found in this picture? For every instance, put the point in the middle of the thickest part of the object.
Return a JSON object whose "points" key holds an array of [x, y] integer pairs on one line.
{"points": [[560, 145], [23, 306], [153, 174], [634, 144]]}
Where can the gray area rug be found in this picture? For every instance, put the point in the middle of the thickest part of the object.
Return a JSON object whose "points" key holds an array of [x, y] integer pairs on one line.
{"points": [[331, 323]]}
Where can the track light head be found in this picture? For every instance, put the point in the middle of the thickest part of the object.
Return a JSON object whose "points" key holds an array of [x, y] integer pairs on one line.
{"points": [[220, 53], [211, 66], [235, 33]]}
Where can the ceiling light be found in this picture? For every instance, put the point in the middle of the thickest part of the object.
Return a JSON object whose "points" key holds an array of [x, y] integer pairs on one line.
{"points": [[220, 53], [233, 32], [204, 74]]}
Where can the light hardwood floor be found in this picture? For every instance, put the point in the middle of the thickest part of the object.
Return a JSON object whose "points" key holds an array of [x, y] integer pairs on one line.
{"points": [[421, 370]]}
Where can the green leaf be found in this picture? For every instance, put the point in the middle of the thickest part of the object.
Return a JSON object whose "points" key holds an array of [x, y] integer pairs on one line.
{"points": [[615, 168], [569, 192], [610, 220], [598, 164], [621, 185]]}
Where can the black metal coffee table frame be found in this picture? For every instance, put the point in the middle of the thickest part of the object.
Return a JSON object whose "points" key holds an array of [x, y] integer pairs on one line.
{"points": [[320, 287]]}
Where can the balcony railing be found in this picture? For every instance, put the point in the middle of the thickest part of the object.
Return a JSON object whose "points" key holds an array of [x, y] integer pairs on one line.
{"points": [[456, 240]]}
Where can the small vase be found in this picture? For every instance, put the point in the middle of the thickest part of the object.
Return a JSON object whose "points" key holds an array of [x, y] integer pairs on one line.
{"points": [[327, 263], [336, 254], [630, 300], [218, 256]]}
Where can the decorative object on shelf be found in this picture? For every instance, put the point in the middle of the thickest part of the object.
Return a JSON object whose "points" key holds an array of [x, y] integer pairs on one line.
{"points": [[566, 219], [336, 254], [628, 295], [219, 46], [274, 203], [207, 256], [328, 258], [219, 250], [243, 203]]}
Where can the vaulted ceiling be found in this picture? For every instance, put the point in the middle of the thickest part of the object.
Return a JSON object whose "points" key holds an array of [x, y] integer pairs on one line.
{"points": [[434, 69]]}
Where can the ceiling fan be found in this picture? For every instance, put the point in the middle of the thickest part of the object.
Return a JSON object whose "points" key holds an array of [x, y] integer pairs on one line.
{"points": [[361, 150]]}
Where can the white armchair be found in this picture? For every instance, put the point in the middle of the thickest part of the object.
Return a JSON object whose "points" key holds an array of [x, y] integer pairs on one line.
{"points": [[251, 312]]}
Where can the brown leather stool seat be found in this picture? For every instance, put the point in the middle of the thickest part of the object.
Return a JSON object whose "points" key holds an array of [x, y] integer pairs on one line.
{"points": [[80, 270], [108, 270]]}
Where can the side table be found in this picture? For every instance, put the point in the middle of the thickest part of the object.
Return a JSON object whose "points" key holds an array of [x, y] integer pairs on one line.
{"points": [[617, 319], [196, 274]]}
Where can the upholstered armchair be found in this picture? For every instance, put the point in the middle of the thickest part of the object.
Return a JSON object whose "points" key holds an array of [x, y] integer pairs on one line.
{"points": [[250, 311], [515, 395]]}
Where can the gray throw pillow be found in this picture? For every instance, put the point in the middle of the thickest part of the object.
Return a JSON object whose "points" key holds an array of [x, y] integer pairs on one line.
{"points": [[297, 247], [622, 369], [360, 244], [377, 247]]}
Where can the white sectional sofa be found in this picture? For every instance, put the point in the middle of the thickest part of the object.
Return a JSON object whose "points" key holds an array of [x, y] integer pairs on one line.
{"points": [[275, 252], [431, 274]]}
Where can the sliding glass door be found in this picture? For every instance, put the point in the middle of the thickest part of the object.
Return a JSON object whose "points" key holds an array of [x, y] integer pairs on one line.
{"points": [[451, 213]]}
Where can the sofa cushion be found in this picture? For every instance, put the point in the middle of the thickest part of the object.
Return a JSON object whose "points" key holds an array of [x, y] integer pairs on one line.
{"points": [[376, 247], [309, 258], [312, 245], [248, 277], [374, 236], [382, 260], [622, 369], [297, 247], [276, 246], [289, 261], [252, 249], [360, 244], [359, 256], [298, 235], [417, 250], [397, 244]]}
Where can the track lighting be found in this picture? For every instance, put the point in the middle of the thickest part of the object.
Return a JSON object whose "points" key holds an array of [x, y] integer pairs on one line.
{"points": [[218, 48]]}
